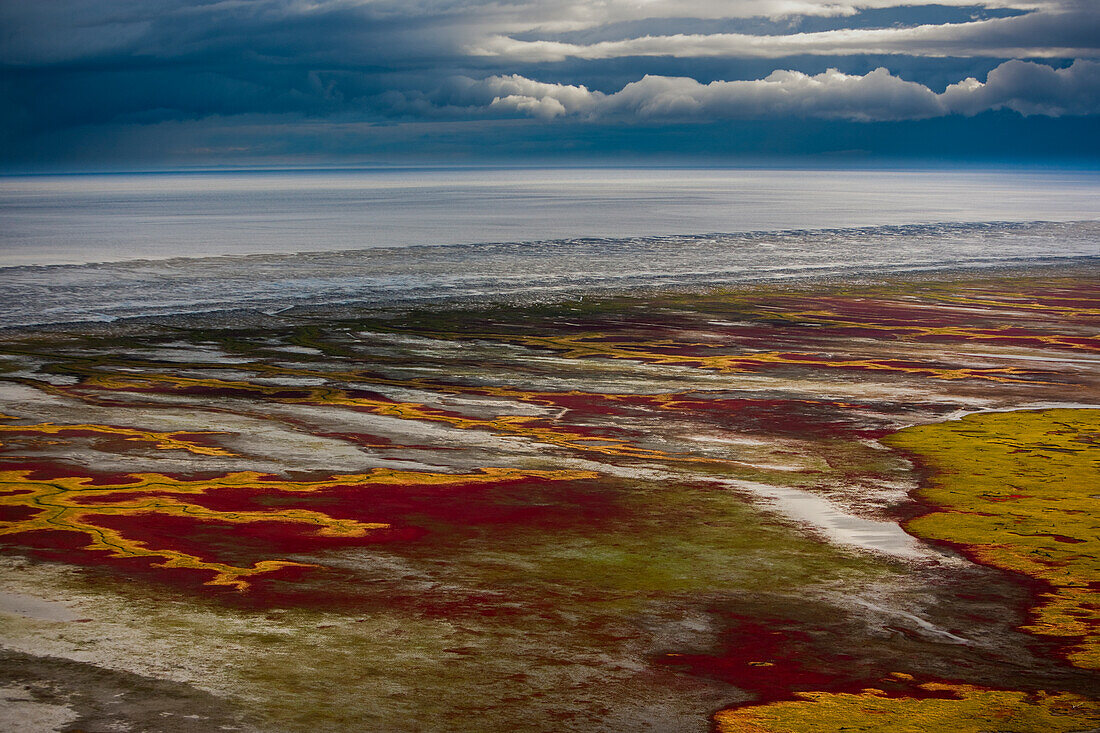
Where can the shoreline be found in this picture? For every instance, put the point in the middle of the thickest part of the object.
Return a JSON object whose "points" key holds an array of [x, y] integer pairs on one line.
{"points": [[1078, 267]]}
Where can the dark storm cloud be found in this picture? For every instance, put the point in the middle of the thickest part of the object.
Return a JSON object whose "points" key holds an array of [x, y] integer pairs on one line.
{"points": [[348, 33], [1070, 32], [104, 71], [330, 33]]}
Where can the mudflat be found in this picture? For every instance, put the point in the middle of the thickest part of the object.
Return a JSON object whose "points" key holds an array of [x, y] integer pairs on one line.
{"points": [[815, 506]]}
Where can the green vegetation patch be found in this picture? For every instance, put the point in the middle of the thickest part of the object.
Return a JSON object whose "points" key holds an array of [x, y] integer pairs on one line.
{"points": [[1021, 491]]}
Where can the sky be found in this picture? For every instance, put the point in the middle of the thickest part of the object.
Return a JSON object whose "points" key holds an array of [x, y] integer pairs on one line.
{"points": [[149, 84]]}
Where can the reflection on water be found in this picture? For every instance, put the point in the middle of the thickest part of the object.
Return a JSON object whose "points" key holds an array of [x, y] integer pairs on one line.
{"points": [[76, 219]]}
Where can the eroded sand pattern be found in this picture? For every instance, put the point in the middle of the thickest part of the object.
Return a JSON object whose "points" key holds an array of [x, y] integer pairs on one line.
{"points": [[811, 508]]}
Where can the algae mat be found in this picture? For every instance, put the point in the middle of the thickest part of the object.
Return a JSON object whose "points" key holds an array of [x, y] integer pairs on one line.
{"points": [[662, 512], [1020, 491], [1017, 491]]}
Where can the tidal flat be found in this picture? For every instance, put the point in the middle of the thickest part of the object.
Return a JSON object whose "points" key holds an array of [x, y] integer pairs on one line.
{"points": [[822, 506]]}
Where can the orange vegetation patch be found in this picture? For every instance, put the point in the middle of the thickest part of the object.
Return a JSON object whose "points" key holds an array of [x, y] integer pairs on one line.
{"points": [[102, 511], [961, 709], [175, 440]]}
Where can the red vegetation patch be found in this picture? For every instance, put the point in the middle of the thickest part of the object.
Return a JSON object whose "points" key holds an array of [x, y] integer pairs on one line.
{"points": [[17, 513], [238, 544], [528, 502], [446, 512], [765, 416], [774, 659], [70, 548]]}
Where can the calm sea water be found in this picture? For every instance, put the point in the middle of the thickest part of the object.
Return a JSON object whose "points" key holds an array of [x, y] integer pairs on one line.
{"points": [[104, 247]]}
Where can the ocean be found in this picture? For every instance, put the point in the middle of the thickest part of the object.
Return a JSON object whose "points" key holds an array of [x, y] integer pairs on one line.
{"points": [[103, 247]]}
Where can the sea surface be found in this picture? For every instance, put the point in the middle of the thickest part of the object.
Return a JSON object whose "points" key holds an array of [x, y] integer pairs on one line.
{"points": [[103, 247]]}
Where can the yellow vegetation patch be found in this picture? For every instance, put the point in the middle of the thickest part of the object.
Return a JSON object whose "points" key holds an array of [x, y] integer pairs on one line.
{"points": [[598, 345], [909, 332], [163, 441], [1031, 300], [523, 426], [972, 710], [1021, 490], [63, 504]]}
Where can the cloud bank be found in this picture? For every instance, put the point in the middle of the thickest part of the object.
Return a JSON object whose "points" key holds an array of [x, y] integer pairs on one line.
{"points": [[1034, 35], [329, 71], [1024, 87], [395, 32]]}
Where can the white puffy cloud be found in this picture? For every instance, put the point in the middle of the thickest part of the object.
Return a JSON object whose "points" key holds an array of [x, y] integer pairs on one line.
{"points": [[1025, 87], [540, 99], [1030, 89]]}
